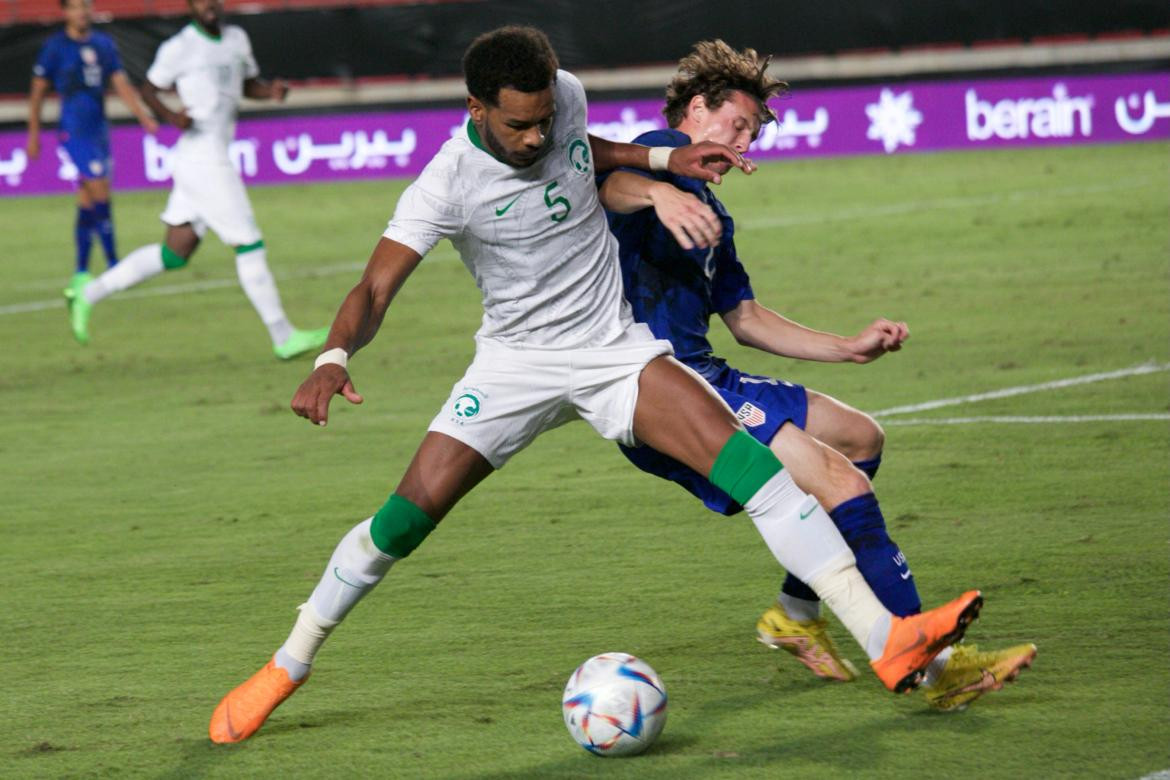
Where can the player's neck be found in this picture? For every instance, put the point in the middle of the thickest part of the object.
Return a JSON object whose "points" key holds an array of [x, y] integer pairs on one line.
{"points": [[208, 31], [77, 33]]}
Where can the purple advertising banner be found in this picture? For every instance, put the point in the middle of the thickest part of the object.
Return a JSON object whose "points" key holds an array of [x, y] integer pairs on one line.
{"points": [[894, 119]]}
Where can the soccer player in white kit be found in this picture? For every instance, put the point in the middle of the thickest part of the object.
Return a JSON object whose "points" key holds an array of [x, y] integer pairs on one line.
{"points": [[514, 192], [211, 66]]}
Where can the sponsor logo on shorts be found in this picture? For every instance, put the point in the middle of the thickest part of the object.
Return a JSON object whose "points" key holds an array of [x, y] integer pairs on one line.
{"points": [[466, 407], [96, 168], [751, 415]]}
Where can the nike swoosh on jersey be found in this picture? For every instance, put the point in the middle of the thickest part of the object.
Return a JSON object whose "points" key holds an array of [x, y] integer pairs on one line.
{"points": [[809, 512], [504, 210]]}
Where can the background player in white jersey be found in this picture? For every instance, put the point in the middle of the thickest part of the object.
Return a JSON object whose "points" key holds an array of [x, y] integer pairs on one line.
{"points": [[211, 66], [720, 94], [514, 191]]}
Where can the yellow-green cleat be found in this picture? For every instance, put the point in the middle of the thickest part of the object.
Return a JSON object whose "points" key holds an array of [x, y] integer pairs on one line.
{"points": [[969, 674], [301, 341], [807, 640], [79, 307]]}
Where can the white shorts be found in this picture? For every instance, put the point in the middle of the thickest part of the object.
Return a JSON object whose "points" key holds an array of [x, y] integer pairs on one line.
{"points": [[210, 194], [509, 395]]}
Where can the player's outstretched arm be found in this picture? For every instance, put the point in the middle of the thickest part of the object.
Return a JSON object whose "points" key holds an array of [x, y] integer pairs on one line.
{"points": [[36, 98], [129, 96], [152, 100], [754, 325], [263, 89], [355, 325], [697, 161], [689, 220]]}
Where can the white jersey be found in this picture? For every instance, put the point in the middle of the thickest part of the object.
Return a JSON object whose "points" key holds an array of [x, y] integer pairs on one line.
{"points": [[209, 74], [535, 239]]}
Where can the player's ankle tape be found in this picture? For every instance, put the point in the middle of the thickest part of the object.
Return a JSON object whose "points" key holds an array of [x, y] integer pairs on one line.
{"points": [[399, 527]]}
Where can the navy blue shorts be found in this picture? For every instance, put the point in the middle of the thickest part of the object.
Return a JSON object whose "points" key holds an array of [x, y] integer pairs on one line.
{"points": [[761, 403], [90, 154]]}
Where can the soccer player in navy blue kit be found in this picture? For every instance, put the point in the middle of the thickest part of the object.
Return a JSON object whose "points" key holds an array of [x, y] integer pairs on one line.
{"points": [[79, 62], [675, 284]]}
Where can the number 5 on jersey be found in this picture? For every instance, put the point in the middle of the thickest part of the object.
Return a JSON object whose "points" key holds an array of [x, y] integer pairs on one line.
{"points": [[556, 202]]}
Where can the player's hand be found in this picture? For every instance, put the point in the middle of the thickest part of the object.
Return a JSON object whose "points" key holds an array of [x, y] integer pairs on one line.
{"points": [[313, 396], [181, 119], [33, 146], [690, 220], [707, 160], [278, 90], [148, 124], [880, 337]]}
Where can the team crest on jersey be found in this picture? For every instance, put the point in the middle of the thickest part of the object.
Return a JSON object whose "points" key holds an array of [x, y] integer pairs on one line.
{"points": [[751, 415], [88, 55], [466, 407], [579, 156]]}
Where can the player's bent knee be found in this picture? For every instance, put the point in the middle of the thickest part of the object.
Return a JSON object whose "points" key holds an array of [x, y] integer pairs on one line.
{"points": [[399, 527]]}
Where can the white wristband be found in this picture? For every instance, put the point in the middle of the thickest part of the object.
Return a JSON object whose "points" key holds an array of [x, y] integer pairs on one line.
{"points": [[337, 356], [660, 157]]}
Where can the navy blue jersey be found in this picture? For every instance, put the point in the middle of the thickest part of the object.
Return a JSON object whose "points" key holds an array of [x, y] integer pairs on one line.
{"points": [[79, 71], [673, 290]]}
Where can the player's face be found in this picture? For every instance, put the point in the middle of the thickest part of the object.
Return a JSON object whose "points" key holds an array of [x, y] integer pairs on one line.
{"points": [[207, 12], [78, 14], [736, 123], [517, 129]]}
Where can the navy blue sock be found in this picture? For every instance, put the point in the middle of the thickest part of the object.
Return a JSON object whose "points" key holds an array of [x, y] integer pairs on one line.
{"points": [[104, 225], [81, 229], [878, 559], [871, 466]]}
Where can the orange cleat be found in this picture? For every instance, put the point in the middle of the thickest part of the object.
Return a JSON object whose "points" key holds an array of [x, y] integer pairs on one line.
{"points": [[914, 641], [242, 712]]}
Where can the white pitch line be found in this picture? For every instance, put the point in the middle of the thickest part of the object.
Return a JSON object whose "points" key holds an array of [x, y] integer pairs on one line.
{"points": [[1073, 418], [157, 291], [1144, 368]]}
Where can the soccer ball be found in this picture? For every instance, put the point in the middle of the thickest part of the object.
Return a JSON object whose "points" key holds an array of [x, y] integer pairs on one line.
{"points": [[614, 705]]}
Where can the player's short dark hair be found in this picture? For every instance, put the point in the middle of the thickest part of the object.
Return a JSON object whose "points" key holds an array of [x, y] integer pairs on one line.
{"points": [[519, 58], [714, 70]]}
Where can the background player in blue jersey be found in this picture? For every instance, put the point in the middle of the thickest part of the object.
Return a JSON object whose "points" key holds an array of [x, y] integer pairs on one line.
{"points": [[79, 62], [676, 280]]}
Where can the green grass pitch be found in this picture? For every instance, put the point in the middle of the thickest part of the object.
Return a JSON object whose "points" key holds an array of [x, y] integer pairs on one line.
{"points": [[163, 512]]}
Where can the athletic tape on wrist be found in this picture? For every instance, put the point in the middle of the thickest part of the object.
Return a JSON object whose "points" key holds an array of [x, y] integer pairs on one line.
{"points": [[660, 157], [337, 355]]}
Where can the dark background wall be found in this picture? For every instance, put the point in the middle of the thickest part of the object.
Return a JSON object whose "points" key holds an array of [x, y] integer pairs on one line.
{"points": [[428, 39]]}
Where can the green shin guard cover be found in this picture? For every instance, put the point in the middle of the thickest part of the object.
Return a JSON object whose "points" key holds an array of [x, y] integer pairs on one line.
{"points": [[171, 260], [240, 250], [743, 466], [399, 527]]}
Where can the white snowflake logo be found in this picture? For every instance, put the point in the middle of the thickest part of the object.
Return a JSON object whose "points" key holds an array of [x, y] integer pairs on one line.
{"points": [[892, 120]]}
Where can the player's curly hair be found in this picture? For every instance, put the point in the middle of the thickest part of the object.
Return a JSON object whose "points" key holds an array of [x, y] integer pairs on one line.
{"points": [[519, 58], [714, 70]]}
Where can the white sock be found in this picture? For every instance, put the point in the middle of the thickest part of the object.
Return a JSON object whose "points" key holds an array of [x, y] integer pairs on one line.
{"points": [[806, 542], [355, 567], [260, 287], [935, 669], [134, 268], [798, 608]]}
